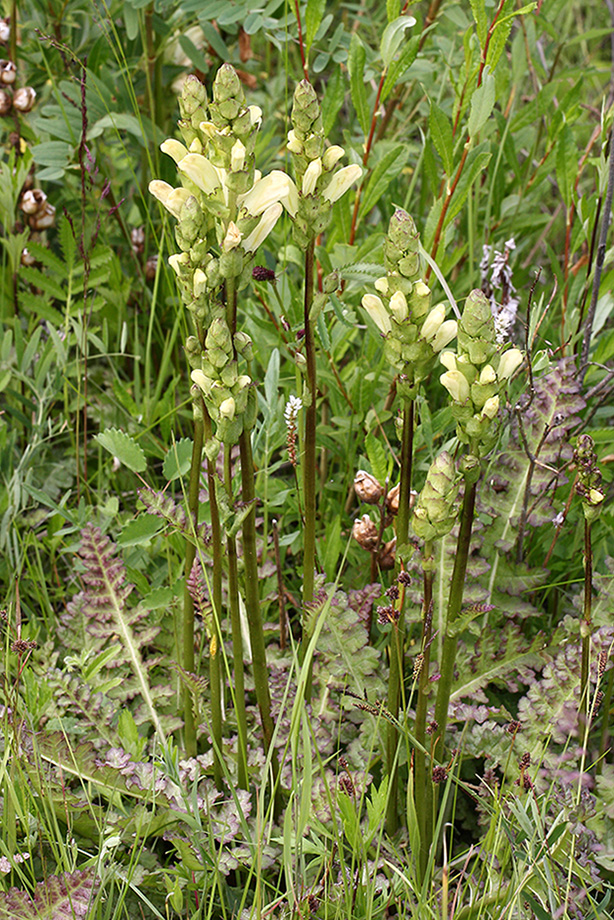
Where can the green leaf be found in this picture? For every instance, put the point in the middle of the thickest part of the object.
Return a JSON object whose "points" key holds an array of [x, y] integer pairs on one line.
{"points": [[52, 153], [393, 8], [271, 379], [441, 135], [482, 103], [124, 448], [332, 100], [332, 548], [566, 164], [131, 21], [141, 530], [356, 66], [193, 53], [386, 170], [178, 459], [476, 162], [478, 8], [313, 18], [323, 333], [400, 66], [393, 37], [214, 39], [377, 458]]}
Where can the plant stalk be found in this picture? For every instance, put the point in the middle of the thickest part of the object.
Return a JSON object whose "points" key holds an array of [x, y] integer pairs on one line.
{"points": [[424, 800], [455, 601], [188, 603], [309, 462], [397, 633], [237, 638], [215, 647], [586, 626]]}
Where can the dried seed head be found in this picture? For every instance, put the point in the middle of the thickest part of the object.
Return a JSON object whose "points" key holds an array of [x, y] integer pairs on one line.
{"points": [[8, 72], [386, 557], [137, 239], [44, 218], [440, 774], [33, 201], [6, 102], [24, 99], [151, 268], [404, 578], [5, 30], [525, 761], [432, 727], [365, 532], [367, 488], [387, 615], [513, 727], [418, 662], [392, 499]]}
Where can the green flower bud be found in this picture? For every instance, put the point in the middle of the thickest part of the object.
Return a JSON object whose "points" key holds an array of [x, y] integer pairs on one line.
{"points": [[402, 232], [218, 336], [305, 108], [243, 345], [227, 85], [193, 97]]}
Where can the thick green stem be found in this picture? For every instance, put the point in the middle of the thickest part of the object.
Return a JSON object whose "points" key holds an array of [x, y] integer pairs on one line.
{"points": [[237, 638], [188, 603], [397, 633], [424, 800], [586, 626], [309, 456], [215, 647], [309, 464], [252, 598], [455, 601]]}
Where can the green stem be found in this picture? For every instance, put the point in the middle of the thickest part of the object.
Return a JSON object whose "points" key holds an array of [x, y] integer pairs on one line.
{"points": [[455, 601], [309, 463], [252, 598], [397, 633], [188, 603], [586, 626], [215, 649], [237, 638], [424, 800]]}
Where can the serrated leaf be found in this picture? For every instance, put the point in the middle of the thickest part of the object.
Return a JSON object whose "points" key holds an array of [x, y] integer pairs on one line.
{"points": [[313, 17], [178, 460], [323, 333], [386, 170], [393, 37], [440, 128], [40, 307], [356, 65], [377, 458], [141, 530], [362, 271], [482, 102], [124, 448]]}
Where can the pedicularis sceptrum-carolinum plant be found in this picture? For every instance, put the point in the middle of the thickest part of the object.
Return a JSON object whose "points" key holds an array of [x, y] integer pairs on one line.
{"points": [[215, 701]]}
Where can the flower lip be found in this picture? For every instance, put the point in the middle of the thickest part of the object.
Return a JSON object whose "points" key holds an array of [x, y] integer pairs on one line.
{"points": [[341, 182]]}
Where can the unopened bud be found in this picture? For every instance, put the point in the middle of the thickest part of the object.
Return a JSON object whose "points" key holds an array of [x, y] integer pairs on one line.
{"points": [[456, 385], [398, 306], [392, 499], [367, 488], [490, 408], [446, 332], [377, 311], [433, 322], [332, 156], [510, 360], [6, 102]]}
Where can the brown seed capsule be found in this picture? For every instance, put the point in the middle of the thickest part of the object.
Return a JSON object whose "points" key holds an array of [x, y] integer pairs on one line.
{"points": [[33, 201], [392, 499], [44, 219], [151, 267], [8, 72], [367, 488], [27, 259], [137, 238], [24, 99], [365, 532], [387, 555], [6, 102]]}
